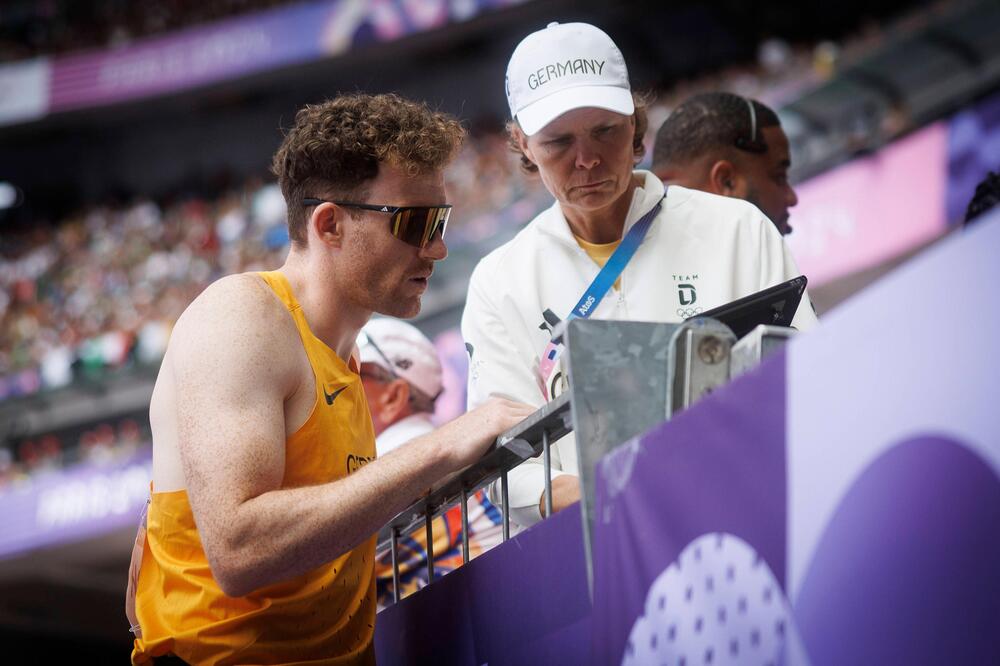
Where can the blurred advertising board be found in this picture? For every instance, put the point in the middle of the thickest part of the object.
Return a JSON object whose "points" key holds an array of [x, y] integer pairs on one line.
{"points": [[872, 209], [245, 45], [66, 505]]}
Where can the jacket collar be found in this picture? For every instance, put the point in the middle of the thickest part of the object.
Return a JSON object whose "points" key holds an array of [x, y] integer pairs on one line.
{"points": [[645, 196]]}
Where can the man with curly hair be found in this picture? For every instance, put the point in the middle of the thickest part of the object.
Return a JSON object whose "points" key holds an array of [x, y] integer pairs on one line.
{"points": [[615, 242], [259, 545]]}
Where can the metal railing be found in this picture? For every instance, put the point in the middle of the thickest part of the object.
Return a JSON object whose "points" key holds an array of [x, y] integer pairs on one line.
{"points": [[641, 373], [527, 439]]}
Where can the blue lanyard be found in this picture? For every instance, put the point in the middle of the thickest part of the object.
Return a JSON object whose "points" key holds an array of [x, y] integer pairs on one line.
{"points": [[598, 289]]}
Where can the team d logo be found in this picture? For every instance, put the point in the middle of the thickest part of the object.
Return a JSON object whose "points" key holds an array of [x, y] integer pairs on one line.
{"points": [[686, 294]]}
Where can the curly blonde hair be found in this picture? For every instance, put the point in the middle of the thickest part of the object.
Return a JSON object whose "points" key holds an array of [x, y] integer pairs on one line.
{"points": [[335, 148], [641, 101]]}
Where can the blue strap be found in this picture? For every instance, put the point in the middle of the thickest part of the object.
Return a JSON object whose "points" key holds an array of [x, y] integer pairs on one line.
{"points": [[596, 292], [598, 289]]}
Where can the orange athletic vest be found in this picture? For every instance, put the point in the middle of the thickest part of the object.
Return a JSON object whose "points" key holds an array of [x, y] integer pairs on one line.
{"points": [[326, 616]]}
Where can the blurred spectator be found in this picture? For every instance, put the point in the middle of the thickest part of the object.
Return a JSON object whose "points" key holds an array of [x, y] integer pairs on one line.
{"points": [[402, 377], [41, 455], [11, 472], [728, 145], [102, 289], [101, 443], [987, 196]]}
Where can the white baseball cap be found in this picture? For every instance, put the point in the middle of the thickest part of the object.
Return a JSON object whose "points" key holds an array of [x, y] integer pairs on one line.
{"points": [[403, 351], [566, 66]]}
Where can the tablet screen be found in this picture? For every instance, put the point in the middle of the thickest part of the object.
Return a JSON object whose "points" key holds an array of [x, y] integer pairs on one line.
{"points": [[774, 306]]}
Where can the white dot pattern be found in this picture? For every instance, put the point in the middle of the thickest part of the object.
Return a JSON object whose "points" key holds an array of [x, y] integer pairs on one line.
{"points": [[718, 603]]}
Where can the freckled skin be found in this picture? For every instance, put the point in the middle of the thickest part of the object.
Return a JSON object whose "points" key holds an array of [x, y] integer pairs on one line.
{"points": [[235, 383]]}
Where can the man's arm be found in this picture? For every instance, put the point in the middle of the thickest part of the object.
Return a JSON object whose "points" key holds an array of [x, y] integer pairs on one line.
{"points": [[234, 371]]}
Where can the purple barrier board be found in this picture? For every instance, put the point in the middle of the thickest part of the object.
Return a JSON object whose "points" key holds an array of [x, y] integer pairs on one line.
{"points": [[63, 506], [837, 506], [244, 45], [675, 511], [524, 602]]}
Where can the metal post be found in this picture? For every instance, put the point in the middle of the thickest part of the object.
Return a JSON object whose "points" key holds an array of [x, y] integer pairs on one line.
{"points": [[547, 464], [395, 566], [465, 525], [428, 521], [505, 509]]}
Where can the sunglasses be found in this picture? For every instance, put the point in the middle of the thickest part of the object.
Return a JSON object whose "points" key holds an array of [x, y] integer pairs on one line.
{"points": [[414, 225]]}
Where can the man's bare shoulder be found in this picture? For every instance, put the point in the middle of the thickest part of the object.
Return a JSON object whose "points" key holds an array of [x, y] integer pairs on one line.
{"points": [[237, 317], [241, 302]]}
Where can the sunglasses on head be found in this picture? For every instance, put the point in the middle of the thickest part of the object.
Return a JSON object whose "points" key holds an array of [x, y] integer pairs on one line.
{"points": [[414, 225], [753, 144], [366, 340], [388, 374]]}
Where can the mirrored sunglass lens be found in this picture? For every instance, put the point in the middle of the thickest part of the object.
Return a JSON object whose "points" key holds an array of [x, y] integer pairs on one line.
{"points": [[417, 226], [408, 226], [442, 221], [437, 219]]}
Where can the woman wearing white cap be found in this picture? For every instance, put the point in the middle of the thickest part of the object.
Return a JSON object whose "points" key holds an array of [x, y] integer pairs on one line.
{"points": [[577, 124]]}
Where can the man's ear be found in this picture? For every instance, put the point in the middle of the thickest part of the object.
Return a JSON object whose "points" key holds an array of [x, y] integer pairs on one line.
{"points": [[327, 224], [725, 179], [395, 400]]}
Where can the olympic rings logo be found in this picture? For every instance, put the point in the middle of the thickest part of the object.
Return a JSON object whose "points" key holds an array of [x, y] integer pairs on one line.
{"points": [[688, 312]]}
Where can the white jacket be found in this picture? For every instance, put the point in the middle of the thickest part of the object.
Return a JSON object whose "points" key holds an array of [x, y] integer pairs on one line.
{"points": [[701, 251], [402, 431]]}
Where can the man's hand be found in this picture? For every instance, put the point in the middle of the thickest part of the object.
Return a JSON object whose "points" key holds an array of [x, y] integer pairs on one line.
{"points": [[470, 436], [565, 491]]}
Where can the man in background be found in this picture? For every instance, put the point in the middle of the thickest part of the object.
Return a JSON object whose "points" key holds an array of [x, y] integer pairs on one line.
{"points": [[402, 377], [725, 144], [987, 196]]}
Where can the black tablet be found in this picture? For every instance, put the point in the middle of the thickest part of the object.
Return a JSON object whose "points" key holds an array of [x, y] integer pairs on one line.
{"points": [[774, 306]]}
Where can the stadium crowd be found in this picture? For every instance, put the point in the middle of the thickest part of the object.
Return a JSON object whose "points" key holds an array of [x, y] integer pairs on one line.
{"points": [[97, 291], [100, 288]]}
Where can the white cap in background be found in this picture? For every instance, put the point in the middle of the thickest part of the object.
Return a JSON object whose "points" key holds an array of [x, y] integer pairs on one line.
{"points": [[566, 66], [402, 350]]}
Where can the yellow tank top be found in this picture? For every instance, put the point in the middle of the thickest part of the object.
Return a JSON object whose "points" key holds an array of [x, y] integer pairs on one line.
{"points": [[325, 616]]}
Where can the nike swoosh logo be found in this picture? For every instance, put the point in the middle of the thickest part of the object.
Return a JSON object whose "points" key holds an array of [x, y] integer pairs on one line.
{"points": [[330, 397]]}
